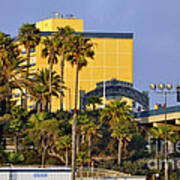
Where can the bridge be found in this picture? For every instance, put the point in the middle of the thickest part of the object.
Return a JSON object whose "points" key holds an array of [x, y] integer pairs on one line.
{"points": [[156, 117], [115, 89]]}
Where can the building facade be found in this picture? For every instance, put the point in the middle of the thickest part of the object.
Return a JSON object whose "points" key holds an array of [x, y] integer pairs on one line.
{"points": [[113, 59]]}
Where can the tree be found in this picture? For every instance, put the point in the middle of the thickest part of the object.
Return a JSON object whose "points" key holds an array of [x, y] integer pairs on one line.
{"points": [[8, 50], [63, 38], [43, 131], [92, 130], [29, 37], [50, 51], [81, 158], [93, 100], [82, 120], [15, 157], [16, 124], [87, 125], [79, 50], [161, 130], [40, 90], [13, 77], [9, 58], [160, 134], [65, 142], [117, 112]]}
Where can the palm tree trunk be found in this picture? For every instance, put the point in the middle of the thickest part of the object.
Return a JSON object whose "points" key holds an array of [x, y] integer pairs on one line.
{"points": [[62, 78], [39, 107], [27, 75], [22, 99], [7, 104], [74, 124], [90, 147], [44, 104], [28, 62], [8, 100], [82, 168], [77, 142], [16, 143], [67, 162], [50, 86], [43, 159], [119, 152]]}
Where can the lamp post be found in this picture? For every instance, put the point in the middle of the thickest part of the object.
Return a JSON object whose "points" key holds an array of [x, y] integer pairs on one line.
{"points": [[161, 88]]}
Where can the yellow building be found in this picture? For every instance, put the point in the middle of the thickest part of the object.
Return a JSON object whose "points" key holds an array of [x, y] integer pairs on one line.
{"points": [[113, 59]]}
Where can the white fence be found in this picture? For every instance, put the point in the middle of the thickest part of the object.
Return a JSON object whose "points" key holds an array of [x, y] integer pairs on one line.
{"points": [[35, 174], [56, 173], [115, 178]]}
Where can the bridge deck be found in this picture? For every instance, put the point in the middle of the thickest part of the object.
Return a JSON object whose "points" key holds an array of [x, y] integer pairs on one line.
{"points": [[158, 116]]}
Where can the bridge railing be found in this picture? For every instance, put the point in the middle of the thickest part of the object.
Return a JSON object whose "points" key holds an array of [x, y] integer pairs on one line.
{"points": [[156, 112], [98, 172]]}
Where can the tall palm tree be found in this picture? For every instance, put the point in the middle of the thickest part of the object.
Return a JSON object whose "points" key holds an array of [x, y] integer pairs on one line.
{"points": [[8, 50], [117, 112], [12, 77], [29, 37], [50, 51], [82, 121], [81, 158], [159, 133], [79, 50], [90, 129], [87, 128], [40, 90], [63, 38], [65, 142], [9, 54], [43, 131]]}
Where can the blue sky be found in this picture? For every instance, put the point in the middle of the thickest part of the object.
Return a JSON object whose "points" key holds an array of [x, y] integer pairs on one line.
{"points": [[155, 24]]}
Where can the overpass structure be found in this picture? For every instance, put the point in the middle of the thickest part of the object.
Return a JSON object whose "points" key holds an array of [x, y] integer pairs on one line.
{"points": [[156, 117], [115, 89]]}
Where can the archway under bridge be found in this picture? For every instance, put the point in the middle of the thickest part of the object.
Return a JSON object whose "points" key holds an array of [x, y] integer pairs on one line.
{"points": [[115, 89]]}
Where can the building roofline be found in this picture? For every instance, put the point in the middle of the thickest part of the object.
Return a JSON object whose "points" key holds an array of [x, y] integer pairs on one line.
{"points": [[97, 34], [108, 35]]}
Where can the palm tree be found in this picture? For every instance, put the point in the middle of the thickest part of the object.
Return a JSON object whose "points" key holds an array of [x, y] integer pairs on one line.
{"points": [[117, 112], [43, 131], [81, 158], [8, 50], [29, 37], [16, 123], [63, 38], [13, 78], [92, 130], [93, 100], [79, 50], [87, 127], [159, 133], [65, 142], [9, 55], [81, 121], [50, 51], [40, 90]]}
